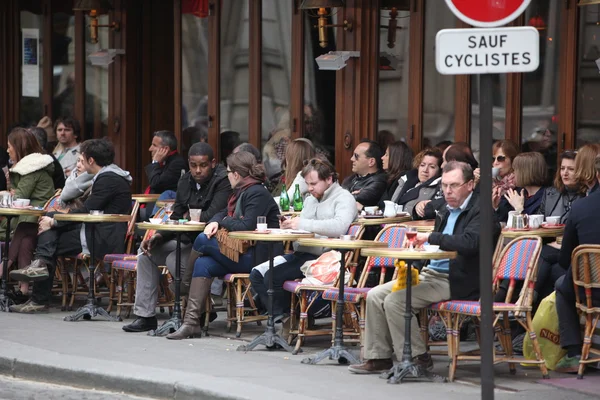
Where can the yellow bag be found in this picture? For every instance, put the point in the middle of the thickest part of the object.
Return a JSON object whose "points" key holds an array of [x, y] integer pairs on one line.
{"points": [[400, 283], [545, 324]]}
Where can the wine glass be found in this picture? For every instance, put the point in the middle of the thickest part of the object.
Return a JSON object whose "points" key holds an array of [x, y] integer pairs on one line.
{"points": [[411, 235], [169, 209]]}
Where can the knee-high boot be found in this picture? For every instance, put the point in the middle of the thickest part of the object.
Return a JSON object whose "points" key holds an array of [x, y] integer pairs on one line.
{"points": [[199, 291], [189, 270]]}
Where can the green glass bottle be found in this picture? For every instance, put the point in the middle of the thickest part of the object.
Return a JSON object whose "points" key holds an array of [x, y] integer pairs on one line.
{"points": [[284, 200], [297, 200]]}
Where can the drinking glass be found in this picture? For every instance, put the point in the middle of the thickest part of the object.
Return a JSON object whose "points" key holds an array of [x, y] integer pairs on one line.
{"points": [[195, 214], [169, 209], [411, 235], [261, 224]]}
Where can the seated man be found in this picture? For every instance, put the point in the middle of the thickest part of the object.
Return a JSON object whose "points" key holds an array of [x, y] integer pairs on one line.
{"points": [[368, 182], [583, 227], [68, 133], [205, 186], [111, 193], [328, 212], [456, 229]]}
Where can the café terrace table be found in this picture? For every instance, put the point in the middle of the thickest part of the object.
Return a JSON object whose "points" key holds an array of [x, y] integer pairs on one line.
{"points": [[406, 367], [173, 323], [338, 351], [162, 203], [91, 308], [269, 338], [10, 213], [368, 220], [145, 198], [550, 232], [424, 226]]}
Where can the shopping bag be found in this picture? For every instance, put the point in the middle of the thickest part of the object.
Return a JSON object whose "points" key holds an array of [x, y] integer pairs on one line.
{"points": [[545, 325], [323, 270]]}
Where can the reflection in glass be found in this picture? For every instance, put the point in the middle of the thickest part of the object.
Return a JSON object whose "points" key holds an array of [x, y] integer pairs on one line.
{"points": [[588, 80], [194, 67], [540, 87], [96, 85], [32, 106], [498, 112], [392, 120], [439, 90], [63, 69]]}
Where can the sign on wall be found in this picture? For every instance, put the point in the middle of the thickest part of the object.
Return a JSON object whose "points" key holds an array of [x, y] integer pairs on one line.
{"points": [[487, 13], [30, 63]]}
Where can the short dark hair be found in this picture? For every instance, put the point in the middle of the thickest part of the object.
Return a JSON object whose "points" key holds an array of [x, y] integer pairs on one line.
{"points": [[461, 151], [250, 149], [72, 123], [374, 151], [467, 171], [201, 149], [168, 139], [40, 134], [324, 168], [101, 150]]}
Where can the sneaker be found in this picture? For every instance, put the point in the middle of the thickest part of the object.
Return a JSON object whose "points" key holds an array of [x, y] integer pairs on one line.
{"points": [[568, 364], [29, 307], [36, 271], [375, 366]]}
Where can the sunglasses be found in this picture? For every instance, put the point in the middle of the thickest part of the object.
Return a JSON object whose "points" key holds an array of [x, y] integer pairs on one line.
{"points": [[312, 161], [499, 158]]}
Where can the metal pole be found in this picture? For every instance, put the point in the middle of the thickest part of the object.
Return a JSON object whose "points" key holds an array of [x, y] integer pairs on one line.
{"points": [[486, 239]]}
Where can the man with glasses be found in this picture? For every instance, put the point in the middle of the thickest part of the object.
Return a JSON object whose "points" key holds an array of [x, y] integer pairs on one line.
{"points": [[457, 229], [205, 186], [368, 182]]}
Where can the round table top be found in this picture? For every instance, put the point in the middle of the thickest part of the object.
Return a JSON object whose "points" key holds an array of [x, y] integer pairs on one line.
{"points": [[162, 203], [145, 198], [291, 213], [21, 211], [422, 226], [80, 217], [407, 254], [340, 244], [383, 220], [172, 227], [273, 235], [541, 232]]}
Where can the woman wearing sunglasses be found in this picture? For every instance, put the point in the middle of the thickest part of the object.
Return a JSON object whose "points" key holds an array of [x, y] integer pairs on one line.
{"points": [[504, 152]]}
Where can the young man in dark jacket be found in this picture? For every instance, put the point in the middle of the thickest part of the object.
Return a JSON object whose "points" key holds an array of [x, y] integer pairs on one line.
{"points": [[111, 193], [204, 187], [457, 229]]}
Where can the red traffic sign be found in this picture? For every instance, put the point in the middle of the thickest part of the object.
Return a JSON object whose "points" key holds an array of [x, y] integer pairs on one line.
{"points": [[487, 13]]}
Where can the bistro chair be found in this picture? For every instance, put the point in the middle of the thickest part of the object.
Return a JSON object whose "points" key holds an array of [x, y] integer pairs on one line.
{"points": [[516, 262], [585, 265], [301, 292]]}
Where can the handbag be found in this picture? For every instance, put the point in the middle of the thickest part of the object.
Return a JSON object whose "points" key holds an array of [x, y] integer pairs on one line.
{"points": [[231, 247]]}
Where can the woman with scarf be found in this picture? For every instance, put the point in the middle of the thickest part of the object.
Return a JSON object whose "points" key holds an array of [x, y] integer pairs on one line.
{"points": [[249, 200]]}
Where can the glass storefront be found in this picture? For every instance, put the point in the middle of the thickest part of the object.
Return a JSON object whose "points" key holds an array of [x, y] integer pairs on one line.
{"points": [[96, 84], [32, 105]]}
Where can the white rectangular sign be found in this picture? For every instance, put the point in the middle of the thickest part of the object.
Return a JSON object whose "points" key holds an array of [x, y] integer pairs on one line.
{"points": [[487, 50]]}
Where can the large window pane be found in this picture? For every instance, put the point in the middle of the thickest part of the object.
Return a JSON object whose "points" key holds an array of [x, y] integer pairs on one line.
{"points": [[32, 107], [588, 79], [392, 120], [194, 73], [63, 58], [96, 84], [498, 112], [438, 97]]}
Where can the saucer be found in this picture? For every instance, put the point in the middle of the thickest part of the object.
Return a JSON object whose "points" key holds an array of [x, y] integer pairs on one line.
{"points": [[549, 226]]}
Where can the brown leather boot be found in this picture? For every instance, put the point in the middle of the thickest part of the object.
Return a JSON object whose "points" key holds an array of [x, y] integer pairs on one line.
{"points": [[199, 291], [187, 273]]}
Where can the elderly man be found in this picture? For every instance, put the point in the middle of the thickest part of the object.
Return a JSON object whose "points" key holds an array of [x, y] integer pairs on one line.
{"points": [[368, 182], [204, 187], [456, 229], [328, 211], [165, 169]]}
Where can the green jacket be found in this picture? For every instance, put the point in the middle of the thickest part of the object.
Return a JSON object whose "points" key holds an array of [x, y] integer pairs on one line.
{"points": [[31, 178]]}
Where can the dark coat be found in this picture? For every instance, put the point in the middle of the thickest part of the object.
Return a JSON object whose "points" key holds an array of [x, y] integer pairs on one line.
{"points": [[254, 202], [59, 175], [557, 204], [464, 269], [164, 176], [371, 187]]}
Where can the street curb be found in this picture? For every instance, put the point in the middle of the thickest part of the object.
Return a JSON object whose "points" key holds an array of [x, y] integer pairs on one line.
{"points": [[29, 363]]}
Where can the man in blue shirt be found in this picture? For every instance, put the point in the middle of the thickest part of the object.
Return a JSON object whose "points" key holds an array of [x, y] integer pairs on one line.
{"points": [[457, 227]]}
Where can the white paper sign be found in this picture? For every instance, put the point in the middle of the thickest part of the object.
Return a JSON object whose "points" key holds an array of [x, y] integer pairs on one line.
{"points": [[31, 63]]}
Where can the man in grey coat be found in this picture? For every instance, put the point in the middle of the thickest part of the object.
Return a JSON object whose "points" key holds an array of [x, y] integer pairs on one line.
{"points": [[327, 212]]}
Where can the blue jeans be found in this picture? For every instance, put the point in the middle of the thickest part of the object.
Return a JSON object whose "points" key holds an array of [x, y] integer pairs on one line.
{"points": [[214, 264]]}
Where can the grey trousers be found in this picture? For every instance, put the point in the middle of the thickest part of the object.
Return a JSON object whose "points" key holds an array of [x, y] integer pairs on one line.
{"points": [[384, 331], [148, 275]]}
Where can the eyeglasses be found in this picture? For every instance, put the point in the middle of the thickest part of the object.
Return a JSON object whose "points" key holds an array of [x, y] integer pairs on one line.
{"points": [[453, 186], [499, 158]]}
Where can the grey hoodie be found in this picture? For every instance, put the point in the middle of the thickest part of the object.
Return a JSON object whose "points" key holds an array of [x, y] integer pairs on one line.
{"points": [[75, 186], [115, 169]]}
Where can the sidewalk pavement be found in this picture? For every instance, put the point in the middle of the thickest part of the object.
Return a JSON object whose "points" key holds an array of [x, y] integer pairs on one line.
{"points": [[96, 354]]}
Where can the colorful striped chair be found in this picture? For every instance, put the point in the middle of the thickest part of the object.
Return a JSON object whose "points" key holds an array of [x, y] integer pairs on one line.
{"points": [[517, 261], [585, 265], [301, 293]]}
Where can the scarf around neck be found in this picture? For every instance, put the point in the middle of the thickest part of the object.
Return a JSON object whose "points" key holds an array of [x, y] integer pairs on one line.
{"points": [[244, 184]]}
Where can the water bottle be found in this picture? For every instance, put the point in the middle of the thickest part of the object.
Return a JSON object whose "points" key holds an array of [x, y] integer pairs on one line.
{"points": [[297, 201], [284, 200]]}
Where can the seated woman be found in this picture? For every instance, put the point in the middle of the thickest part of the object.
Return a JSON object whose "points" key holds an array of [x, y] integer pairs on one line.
{"points": [[585, 162], [425, 185], [249, 200], [397, 161], [77, 188], [504, 152], [295, 153], [530, 175], [31, 177]]}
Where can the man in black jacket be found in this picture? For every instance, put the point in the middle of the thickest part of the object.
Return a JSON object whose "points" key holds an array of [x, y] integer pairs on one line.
{"points": [[457, 229], [111, 193], [368, 182], [204, 187]]}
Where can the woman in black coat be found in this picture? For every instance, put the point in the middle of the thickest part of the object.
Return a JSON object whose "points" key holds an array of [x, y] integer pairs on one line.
{"points": [[249, 200], [397, 161]]}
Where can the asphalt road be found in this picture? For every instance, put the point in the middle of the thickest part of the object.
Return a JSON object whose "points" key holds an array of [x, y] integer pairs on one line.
{"points": [[16, 389]]}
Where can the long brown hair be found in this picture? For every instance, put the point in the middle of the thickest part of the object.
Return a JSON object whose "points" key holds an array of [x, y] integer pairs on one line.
{"points": [[400, 160], [295, 154], [585, 163], [24, 143], [245, 164]]}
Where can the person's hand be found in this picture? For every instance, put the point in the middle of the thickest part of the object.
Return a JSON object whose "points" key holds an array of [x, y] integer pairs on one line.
{"points": [[496, 196], [67, 172], [516, 199], [355, 192], [477, 175], [211, 229], [149, 244], [420, 208], [421, 238], [291, 223], [161, 154], [45, 224]]}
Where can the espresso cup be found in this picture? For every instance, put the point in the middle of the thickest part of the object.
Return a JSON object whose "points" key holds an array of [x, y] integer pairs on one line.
{"points": [[553, 220]]}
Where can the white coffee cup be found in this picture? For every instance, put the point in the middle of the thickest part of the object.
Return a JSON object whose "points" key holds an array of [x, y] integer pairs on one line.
{"points": [[371, 210], [553, 220], [495, 172], [536, 220]]}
